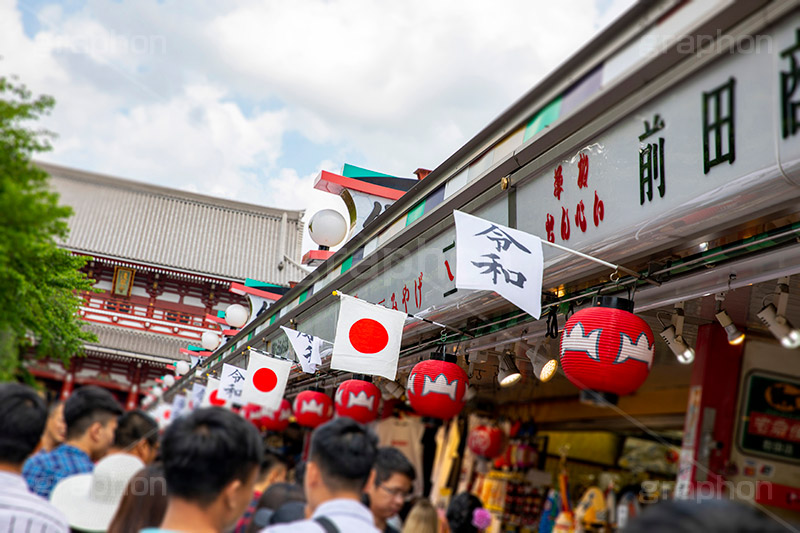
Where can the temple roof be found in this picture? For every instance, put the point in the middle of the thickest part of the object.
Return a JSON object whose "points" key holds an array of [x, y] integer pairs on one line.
{"points": [[177, 229], [129, 342]]}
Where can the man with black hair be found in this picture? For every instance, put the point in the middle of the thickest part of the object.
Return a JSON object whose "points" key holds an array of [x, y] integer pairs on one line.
{"points": [[339, 465], [91, 416], [137, 434], [211, 460], [389, 486], [23, 416]]}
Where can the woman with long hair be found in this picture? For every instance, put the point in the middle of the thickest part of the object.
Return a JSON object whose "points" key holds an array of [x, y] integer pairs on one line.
{"points": [[144, 502]]}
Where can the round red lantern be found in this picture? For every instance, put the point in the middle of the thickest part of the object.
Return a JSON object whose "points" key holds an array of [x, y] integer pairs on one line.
{"points": [[277, 420], [486, 441], [313, 408], [358, 399], [436, 387], [606, 350]]}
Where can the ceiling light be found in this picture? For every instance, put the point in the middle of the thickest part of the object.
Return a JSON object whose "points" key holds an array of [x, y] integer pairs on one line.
{"points": [[673, 336], [775, 317], [507, 371], [734, 335], [544, 367]]}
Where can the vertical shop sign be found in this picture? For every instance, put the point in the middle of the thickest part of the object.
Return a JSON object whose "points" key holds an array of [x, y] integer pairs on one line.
{"points": [[719, 139], [651, 162], [789, 81]]}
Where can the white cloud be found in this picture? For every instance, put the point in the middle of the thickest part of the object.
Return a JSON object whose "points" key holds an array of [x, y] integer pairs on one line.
{"points": [[202, 99]]}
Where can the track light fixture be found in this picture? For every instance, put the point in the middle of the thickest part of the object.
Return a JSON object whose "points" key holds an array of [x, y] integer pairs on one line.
{"points": [[673, 336], [774, 317], [507, 371], [544, 366], [734, 335]]}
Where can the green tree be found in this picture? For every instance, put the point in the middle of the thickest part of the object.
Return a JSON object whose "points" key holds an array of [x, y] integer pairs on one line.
{"points": [[40, 283]]}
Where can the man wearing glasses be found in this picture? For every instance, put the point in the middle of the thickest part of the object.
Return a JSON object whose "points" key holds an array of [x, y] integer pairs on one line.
{"points": [[390, 486]]}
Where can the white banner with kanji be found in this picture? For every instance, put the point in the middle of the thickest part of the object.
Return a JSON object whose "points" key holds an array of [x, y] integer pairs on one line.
{"points": [[266, 380], [306, 347], [496, 258], [232, 383], [367, 339], [197, 395]]}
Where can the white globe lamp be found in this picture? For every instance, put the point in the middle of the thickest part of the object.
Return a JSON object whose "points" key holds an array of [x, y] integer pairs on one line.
{"points": [[327, 228], [236, 315], [181, 367], [169, 380], [210, 340]]}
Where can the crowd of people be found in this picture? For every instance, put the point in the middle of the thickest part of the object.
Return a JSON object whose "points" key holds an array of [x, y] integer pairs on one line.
{"points": [[84, 465], [87, 466]]}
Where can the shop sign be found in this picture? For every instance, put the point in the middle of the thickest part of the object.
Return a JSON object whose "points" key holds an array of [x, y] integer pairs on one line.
{"points": [[771, 417]]}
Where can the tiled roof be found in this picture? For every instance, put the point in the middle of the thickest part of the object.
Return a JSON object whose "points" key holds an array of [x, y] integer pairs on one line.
{"points": [[176, 229], [135, 343]]}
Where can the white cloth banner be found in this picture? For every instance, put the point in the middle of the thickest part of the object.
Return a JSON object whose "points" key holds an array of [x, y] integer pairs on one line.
{"points": [[232, 383], [306, 347], [179, 405], [266, 382], [197, 395], [496, 258], [367, 339]]}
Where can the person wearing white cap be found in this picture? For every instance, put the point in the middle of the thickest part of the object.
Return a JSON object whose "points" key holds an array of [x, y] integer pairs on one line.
{"points": [[22, 418], [89, 501]]}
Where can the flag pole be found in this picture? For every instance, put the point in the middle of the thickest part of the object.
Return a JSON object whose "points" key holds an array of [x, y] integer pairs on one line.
{"points": [[617, 268], [421, 319]]}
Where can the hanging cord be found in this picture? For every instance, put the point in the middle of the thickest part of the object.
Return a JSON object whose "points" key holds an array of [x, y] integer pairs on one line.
{"points": [[552, 323]]}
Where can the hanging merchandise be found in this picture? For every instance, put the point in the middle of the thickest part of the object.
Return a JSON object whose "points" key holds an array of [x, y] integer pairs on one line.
{"points": [[436, 387], [590, 513], [358, 399], [486, 441], [313, 408], [278, 419], [606, 350]]}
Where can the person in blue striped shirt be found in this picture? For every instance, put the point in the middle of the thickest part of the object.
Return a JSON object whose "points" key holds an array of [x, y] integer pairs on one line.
{"points": [[91, 415]]}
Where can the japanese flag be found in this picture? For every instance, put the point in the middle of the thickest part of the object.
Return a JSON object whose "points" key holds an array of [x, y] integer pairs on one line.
{"points": [[232, 383], [367, 338], [212, 397], [497, 258], [266, 383]]}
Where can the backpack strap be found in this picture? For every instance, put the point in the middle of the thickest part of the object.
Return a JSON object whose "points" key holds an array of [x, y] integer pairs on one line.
{"points": [[326, 524]]}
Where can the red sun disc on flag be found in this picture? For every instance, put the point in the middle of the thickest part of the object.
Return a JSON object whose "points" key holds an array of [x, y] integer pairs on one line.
{"points": [[214, 399], [265, 379], [368, 336]]}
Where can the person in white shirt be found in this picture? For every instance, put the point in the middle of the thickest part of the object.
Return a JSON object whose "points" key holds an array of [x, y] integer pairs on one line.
{"points": [[23, 416], [339, 465]]}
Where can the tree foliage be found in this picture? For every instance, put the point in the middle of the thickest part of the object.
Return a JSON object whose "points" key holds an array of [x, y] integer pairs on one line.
{"points": [[40, 283]]}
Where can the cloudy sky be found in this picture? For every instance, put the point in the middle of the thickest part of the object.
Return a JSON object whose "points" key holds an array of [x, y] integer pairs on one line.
{"points": [[250, 99]]}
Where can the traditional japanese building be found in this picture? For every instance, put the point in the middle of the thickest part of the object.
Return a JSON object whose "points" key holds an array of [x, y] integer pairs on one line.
{"points": [[164, 261]]}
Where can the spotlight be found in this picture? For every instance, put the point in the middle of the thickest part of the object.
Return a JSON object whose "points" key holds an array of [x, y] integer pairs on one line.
{"points": [[734, 335], [673, 336], [507, 371], [544, 367], [775, 317]]}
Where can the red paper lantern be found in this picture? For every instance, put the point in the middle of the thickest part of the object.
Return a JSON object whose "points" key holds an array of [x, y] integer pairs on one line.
{"points": [[277, 420], [313, 408], [606, 350], [436, 387], [358, 399], [486, 441]]}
